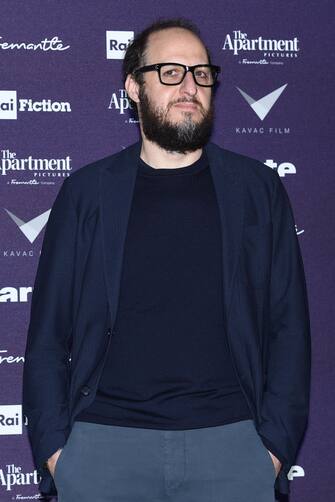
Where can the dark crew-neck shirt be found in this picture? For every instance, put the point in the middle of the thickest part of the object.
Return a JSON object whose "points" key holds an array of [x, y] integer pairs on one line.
{"points": [[169, 364]]}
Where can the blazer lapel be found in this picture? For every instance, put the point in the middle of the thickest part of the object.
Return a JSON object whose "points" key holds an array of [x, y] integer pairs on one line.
{"points": [[229, 191], [116, 189], [117, 184]]}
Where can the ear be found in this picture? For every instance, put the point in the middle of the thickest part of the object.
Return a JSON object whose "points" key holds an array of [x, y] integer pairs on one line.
{"points": [[132, 88]]}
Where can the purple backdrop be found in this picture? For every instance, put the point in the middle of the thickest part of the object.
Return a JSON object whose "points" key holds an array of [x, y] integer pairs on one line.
{"points": [[62, 105]]}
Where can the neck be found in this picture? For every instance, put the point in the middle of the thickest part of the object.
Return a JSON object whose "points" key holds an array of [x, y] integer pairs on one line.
{"points": [[157, 157]]}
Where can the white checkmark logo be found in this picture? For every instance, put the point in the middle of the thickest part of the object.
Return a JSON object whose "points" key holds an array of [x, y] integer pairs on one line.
{"points": [[263, 105], [32, 228]]}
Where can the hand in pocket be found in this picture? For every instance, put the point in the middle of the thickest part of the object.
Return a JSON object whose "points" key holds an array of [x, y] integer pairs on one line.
{"points": [[277, 464], [52, 461]]}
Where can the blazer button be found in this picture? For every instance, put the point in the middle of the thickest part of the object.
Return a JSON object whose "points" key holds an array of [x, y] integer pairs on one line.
{"points": [[85, 391]]}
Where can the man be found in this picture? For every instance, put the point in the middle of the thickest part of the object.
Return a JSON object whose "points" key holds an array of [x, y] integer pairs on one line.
{"points": [[168, 352]]}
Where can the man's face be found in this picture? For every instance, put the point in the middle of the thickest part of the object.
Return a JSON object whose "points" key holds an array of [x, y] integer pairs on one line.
{"points": [[178, 118]]}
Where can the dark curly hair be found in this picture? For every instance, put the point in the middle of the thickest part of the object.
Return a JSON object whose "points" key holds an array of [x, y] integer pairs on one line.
{"points": [[136, 50]]}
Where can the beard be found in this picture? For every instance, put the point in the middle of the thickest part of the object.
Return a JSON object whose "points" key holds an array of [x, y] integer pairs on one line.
{"points": [[187, 135]]}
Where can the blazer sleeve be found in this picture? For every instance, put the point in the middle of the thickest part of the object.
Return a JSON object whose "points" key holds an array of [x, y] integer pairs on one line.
{"points": [[285, 404], [47, 354]]}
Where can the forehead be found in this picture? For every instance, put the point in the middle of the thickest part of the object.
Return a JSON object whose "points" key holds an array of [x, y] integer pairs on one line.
{"points": [[176, 45]]}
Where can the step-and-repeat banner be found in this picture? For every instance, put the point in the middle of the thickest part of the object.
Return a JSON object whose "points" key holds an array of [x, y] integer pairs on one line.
{"points": [[63, 105]]}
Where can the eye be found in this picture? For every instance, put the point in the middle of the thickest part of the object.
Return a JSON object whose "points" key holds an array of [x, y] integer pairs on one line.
{"points": [[172, 71], [202, 74], [169, 73]]}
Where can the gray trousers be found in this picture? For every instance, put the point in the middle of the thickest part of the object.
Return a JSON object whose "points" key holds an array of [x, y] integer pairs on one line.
{"points": [[225, 463]]}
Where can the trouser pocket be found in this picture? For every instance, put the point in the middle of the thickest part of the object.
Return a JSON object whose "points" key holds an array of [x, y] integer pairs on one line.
{"points": [[267, 457], [62, 458]]}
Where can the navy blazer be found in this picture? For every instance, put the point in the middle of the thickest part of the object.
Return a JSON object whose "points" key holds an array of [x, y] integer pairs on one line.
{"points": [[75, 300]]}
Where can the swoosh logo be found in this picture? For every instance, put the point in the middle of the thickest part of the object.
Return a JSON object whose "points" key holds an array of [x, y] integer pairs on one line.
{"points": [[263, 105], [32, 228]]}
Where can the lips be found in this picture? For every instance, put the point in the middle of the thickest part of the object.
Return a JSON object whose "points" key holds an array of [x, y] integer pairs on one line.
{"points": [[188, 106]]}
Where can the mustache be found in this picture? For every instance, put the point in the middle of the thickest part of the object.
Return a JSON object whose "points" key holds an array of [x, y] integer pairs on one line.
{"points": [[183, 100], [186, 101]]}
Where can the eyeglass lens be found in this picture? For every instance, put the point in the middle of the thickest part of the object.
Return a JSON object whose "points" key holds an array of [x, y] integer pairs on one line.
{"points": [[173, 74]]}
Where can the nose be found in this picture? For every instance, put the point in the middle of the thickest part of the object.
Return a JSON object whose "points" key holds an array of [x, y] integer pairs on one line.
{"points": [[188, 85]]}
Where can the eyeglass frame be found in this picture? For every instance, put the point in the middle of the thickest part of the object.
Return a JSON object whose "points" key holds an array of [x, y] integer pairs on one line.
{"points": [[157, 67]]}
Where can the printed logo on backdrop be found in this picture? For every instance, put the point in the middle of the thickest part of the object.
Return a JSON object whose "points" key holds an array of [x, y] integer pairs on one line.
{"points": [[10, 105], [262, 107], [298, 232], [47, 44], [10, 419], [117, 43], [8, 358], [30, 229], [12, 475], [10, 294], [282, 168], [296, 471], [120, 102], [259, 50], [32, 171]]}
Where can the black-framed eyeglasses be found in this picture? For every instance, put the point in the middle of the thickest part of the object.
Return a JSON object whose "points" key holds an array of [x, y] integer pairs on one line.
{"points": [[204, 75]]}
